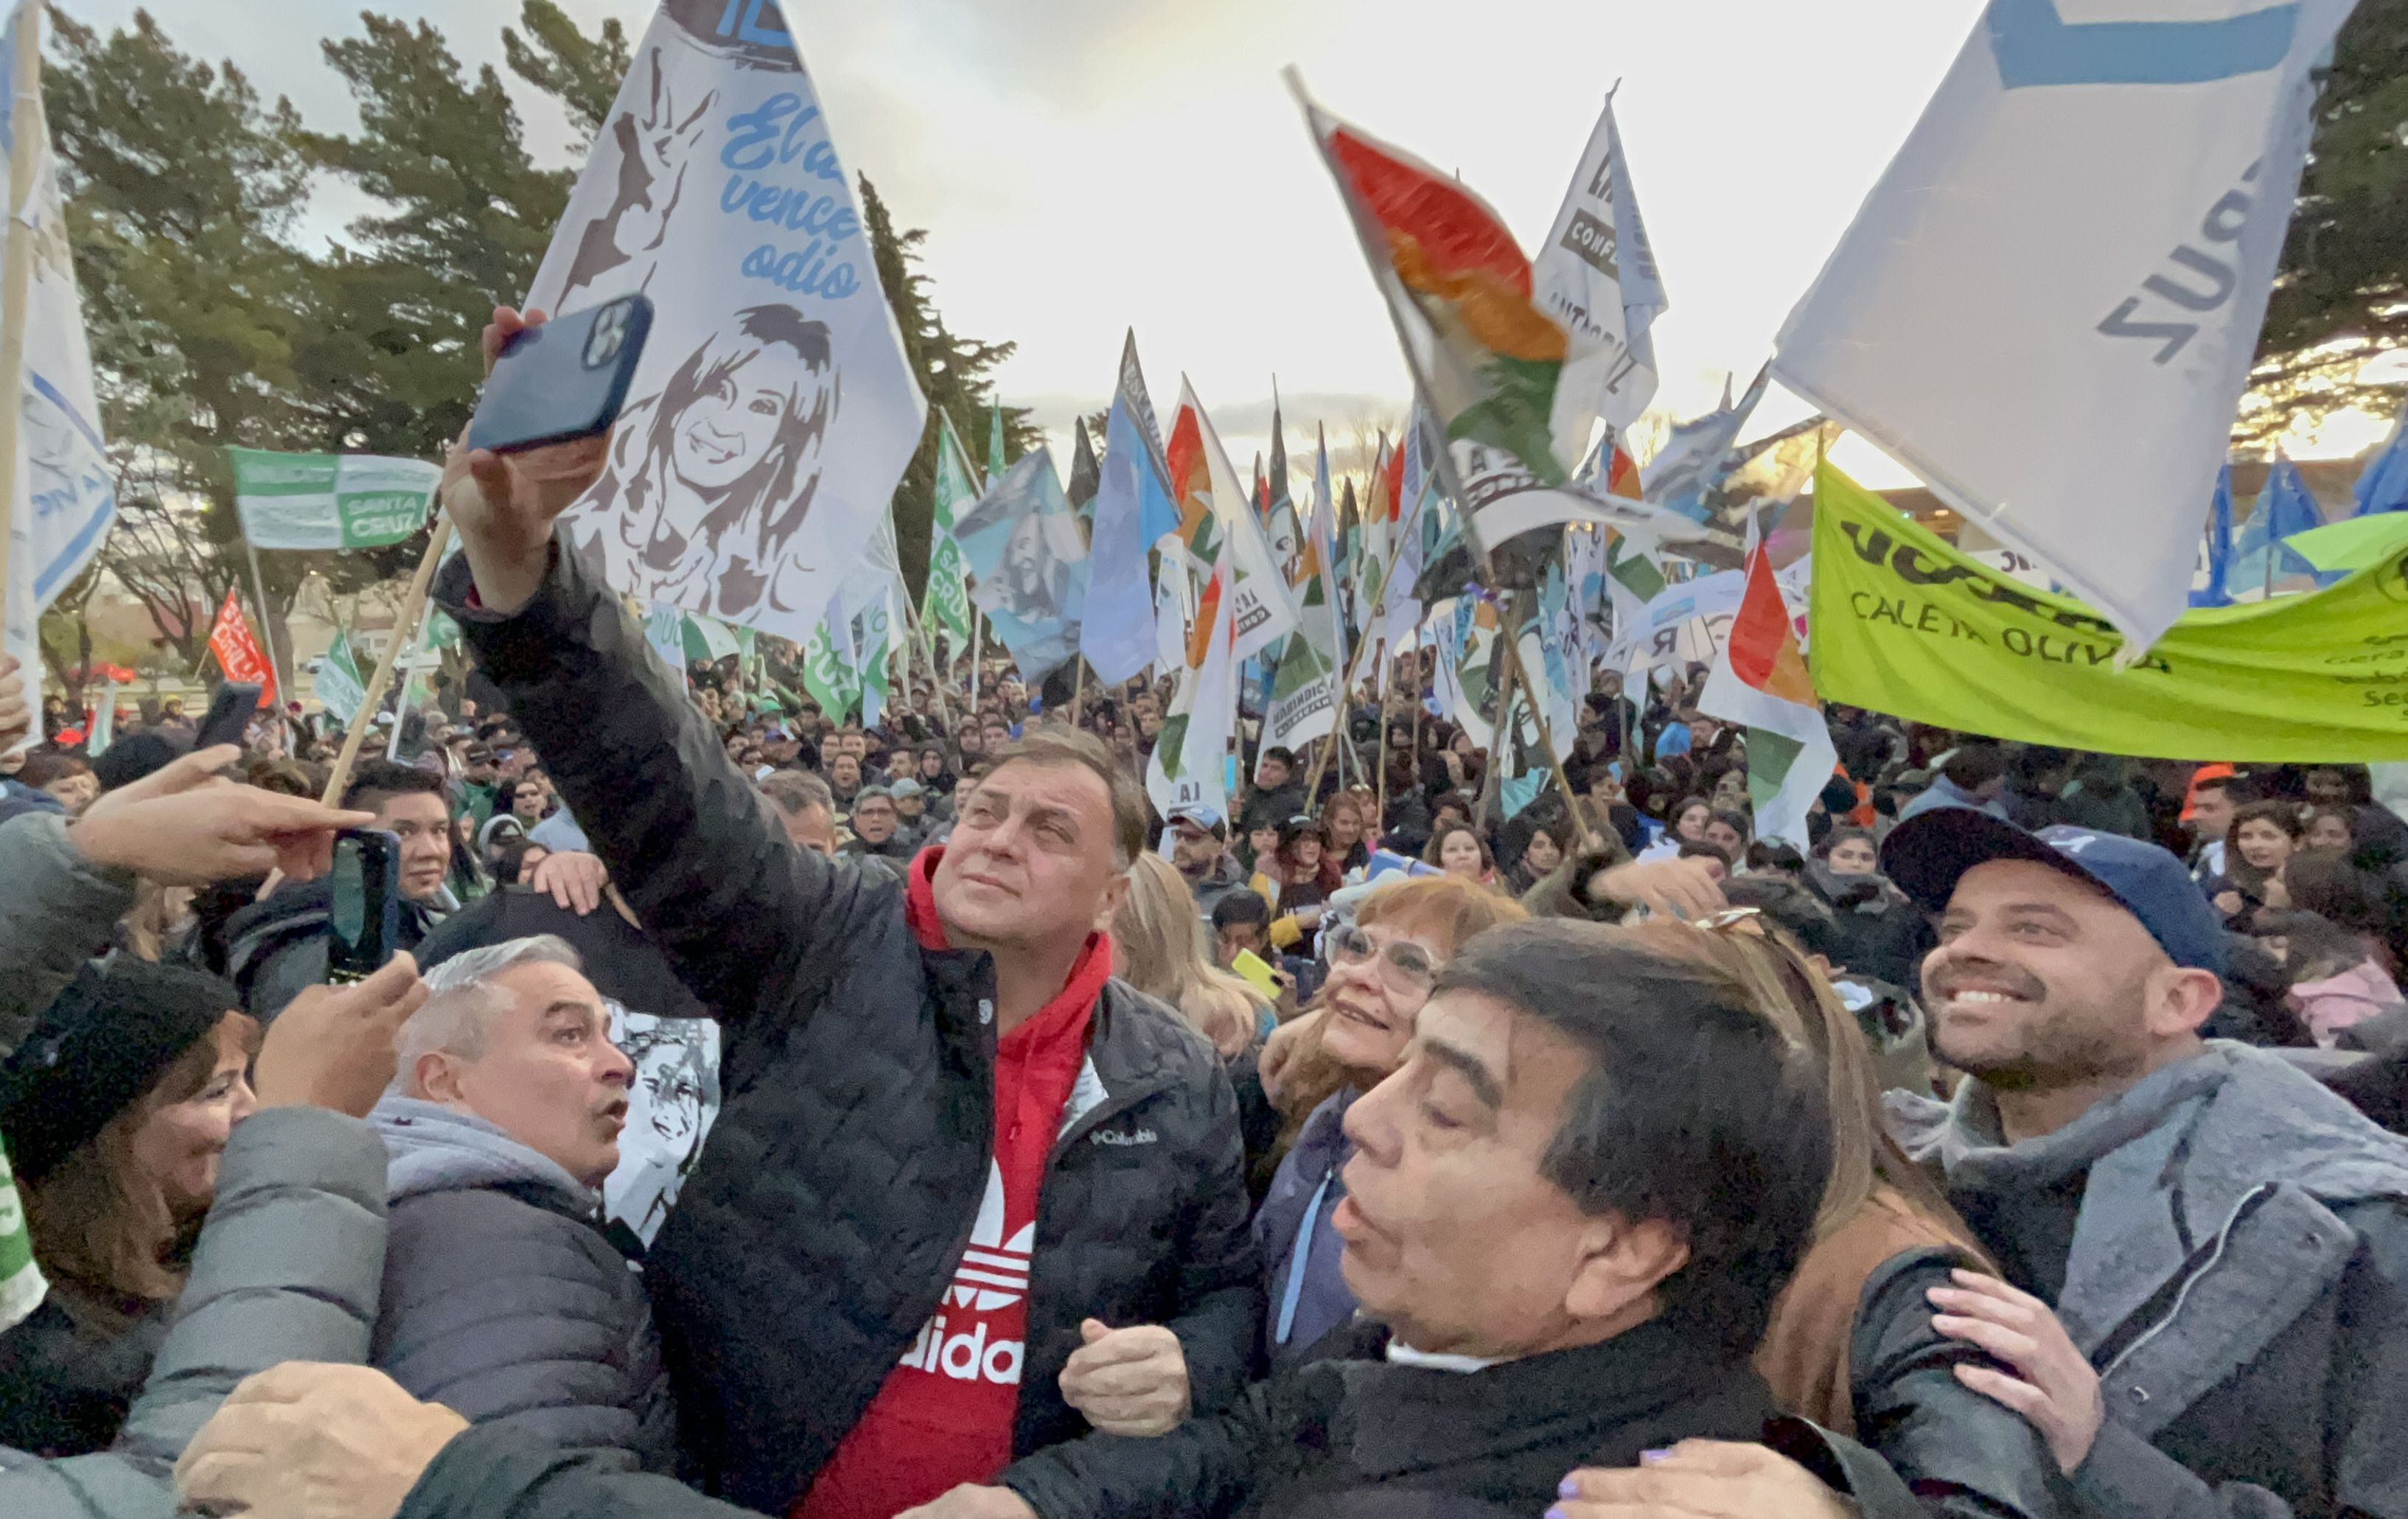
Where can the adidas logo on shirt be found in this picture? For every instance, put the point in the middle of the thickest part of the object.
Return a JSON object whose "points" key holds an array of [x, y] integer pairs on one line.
{"points": [[993, 1274]]}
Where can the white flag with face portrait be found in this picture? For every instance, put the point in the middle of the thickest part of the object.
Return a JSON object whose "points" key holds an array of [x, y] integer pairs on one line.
{"points": [[773, 411]]}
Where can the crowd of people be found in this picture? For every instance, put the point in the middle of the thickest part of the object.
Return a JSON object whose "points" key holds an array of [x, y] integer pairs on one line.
{"points": [[761, 1112]]}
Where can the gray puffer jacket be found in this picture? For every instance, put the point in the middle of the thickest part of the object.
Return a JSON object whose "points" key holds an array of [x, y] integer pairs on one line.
{"points": [[286, 1271], [502, 1298], [56, 912]]}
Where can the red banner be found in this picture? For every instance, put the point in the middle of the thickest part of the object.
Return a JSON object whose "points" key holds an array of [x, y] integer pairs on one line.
{"points": [[237, 649]]}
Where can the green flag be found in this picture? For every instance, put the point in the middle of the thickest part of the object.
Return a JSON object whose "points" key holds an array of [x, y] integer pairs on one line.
{"points": [[329, 500], [828, 672], [948, 603], [1902, 623], [21, 1281], [339, 686], [995, 460]]}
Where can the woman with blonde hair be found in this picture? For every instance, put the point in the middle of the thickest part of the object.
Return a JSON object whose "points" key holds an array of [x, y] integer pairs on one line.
{"points": [[1851, 1345], [1381, 970], [1159, 950]]}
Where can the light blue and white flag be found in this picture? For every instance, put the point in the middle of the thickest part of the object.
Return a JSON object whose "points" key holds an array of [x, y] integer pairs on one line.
{"points": [[64, 494], [1117, 634], [1023, 544], [2218, 548], [1683, 473], [2048, 305], [2260, 560]]}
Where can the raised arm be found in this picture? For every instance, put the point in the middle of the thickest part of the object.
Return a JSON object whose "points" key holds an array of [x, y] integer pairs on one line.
{"points": [[689, 841]]}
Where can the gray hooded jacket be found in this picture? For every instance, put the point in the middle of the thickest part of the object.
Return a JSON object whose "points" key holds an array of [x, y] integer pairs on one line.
{"points": [[502, 1299], [2239, 1275]]}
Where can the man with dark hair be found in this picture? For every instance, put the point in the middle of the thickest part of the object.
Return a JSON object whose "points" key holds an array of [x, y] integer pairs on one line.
{"points": [[1241, 921], [1974, 774], [874, 824], [862, 1301], [1566, 1220], [2224, 1242], [276, 947], [1279, 791], [806, 808]]}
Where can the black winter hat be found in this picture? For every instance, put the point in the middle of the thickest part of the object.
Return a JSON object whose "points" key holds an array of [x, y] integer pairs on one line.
{"points": [[140, 754], [97, 1049]]}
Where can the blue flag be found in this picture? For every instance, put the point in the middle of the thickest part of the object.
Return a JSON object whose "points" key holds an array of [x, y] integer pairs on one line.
{"points": [[1021, 542], [2284, 506], [2384, 486], [1133, 507], [2219, 545]]}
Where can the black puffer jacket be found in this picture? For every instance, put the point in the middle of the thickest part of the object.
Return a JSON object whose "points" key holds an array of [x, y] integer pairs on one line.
{"points": [[824, 1219], [502, 1299]]}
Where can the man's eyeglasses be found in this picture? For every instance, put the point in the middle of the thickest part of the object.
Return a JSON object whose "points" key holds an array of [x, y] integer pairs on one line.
{"points": [[1403, 963]]}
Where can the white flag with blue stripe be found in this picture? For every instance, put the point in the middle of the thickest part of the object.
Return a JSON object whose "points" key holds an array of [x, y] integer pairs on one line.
{"points": [[2048, 305]]}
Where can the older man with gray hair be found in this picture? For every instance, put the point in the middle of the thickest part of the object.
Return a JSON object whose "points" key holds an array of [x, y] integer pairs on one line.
{"points": [[502, 1298]]}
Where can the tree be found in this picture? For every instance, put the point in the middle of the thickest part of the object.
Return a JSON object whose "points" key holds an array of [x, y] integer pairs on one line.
{"points": [[953, 372], [2341, 294], [397, 370], [193, 302], [582, 72]]}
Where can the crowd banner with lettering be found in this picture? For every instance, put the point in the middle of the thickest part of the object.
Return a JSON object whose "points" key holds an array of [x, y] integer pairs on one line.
{"points": [[1597, 276], [773, 411], [238, 651], [65, 494], [2048, 305], [330, 500], [1904, 624]]}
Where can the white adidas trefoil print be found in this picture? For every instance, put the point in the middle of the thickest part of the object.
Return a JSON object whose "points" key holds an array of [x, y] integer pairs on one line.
{"points": [[993, 1274]]}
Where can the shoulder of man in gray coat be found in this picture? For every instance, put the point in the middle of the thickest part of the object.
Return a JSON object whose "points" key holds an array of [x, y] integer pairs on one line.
{"points": [[287, 1268], [56, 909], [502, 1299]]}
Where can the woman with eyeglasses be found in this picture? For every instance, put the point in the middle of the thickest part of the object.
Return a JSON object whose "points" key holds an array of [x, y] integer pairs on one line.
{"points": [[1380, 967]]}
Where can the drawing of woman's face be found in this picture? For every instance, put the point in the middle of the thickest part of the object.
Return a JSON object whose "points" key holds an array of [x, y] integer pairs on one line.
{"points": [[725, 432]]}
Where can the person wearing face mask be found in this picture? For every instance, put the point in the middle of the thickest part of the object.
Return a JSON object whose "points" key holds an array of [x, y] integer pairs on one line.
{"points": [[116, 1110], [1381, 970]]}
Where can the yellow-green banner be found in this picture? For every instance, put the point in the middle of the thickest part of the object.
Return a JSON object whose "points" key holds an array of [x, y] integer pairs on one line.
{"points": [[1902, 623]]}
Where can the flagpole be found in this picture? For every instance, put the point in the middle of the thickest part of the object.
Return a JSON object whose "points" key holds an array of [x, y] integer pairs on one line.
{"points": [[1521, 675], [339, 779], [267, 625], [17, 261], [977, 633]]}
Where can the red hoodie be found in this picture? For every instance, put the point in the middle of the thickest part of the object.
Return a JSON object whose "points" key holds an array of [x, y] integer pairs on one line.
{"points": [[944, 1414]]}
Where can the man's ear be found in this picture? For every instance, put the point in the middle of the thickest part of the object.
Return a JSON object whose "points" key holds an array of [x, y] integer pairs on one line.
{"points": [[436, 1077], [1621, 1264], [1115, 891], [2180, 999]]}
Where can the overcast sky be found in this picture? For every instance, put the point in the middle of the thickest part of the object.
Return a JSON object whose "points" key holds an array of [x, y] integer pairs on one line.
{"points": [[1088, 165]]}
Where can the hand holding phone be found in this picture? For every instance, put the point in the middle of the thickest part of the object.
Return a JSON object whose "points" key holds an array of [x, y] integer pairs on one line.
{"points": [[564, 379], [1248, 964]]}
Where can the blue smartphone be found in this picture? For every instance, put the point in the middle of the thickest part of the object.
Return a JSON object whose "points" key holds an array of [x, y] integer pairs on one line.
{"points": [[566, 380]]}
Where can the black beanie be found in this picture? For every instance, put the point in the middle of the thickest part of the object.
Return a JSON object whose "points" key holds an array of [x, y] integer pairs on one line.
{"points": [[140, 754], [95, 1050]]}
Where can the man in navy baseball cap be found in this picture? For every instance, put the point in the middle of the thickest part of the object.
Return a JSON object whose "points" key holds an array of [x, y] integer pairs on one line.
{"points": [[2201, 1248]]}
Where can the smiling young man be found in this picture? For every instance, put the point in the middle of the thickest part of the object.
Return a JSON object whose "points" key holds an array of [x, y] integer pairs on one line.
{"points": [[1566, 1217], [860, 1298], [2224, 1242]]}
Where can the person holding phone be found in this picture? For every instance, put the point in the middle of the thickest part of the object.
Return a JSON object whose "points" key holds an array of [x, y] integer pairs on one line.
{"points": [[961, 1026], [277, 947]]}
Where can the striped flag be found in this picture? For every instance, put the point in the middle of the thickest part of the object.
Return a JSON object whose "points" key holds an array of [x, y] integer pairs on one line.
{"points": [[1760, 683]]}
